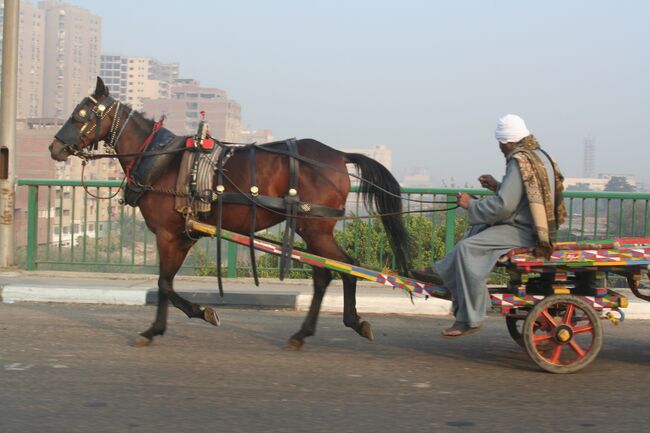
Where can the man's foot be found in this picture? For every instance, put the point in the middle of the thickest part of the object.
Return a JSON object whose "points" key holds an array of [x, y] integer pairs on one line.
{"points": [[460, 329], [427, 275]]}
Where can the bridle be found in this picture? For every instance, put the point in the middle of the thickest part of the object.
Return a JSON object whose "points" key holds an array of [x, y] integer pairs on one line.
{"points": [[90, 113]]}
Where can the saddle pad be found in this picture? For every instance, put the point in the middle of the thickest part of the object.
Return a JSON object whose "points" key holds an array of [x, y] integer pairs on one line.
{"points": [[207, 162], [148, 169]]}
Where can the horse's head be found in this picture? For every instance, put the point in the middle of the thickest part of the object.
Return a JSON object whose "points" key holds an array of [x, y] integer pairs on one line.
{"points": [[86, 125]]}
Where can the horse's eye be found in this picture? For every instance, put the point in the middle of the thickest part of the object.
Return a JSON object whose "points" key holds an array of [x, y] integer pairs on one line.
{"points": [[82, 113]]}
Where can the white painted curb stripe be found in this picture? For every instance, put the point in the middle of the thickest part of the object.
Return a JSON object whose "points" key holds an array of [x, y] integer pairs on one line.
{"points": [[73, 295]]}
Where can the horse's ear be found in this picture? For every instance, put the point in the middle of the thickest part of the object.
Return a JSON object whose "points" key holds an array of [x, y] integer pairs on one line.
{"points": [[100, 88]]}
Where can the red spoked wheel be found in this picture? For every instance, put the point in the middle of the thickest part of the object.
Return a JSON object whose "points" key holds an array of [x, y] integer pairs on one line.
{"points": [[563, 334]]}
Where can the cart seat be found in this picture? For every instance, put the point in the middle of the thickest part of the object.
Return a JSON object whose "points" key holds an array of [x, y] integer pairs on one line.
{"points": [[617, 251]]}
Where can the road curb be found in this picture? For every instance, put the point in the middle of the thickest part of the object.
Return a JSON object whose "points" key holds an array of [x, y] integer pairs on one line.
{"points": [[379, 303], [16, 293], [333, 302]]}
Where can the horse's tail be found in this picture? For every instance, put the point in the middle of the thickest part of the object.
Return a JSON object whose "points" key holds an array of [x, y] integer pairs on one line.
{"points": [[384, 190]]}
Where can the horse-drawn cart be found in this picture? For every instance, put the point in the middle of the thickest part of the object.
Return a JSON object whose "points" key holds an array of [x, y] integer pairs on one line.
{"points": [[553, 308]]}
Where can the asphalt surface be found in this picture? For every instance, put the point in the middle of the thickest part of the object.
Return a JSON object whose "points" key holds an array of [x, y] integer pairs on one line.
{"points": [[70, 368]]}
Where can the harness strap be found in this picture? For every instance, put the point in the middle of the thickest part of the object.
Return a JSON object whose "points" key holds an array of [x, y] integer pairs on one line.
{"points": [[254, 191], [194, 171], [95, 143], [220, 188], [291, 206]]}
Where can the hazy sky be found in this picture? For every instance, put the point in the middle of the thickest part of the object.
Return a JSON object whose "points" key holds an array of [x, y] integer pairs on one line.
{"points": [[426, 78]]}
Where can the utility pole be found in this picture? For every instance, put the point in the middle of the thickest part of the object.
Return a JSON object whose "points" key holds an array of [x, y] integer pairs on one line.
{"points": [[8, 132]]}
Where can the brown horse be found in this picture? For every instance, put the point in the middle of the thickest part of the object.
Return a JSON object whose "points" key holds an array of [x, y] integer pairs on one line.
{"points": [[326, 183]]}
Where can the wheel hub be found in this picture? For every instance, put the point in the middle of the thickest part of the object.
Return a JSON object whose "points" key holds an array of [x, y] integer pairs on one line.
{"points": [[563, 334]]}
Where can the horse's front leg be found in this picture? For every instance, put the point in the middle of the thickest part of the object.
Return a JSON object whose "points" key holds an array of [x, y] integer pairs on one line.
{"points": [[172, 250], [159, 325]]}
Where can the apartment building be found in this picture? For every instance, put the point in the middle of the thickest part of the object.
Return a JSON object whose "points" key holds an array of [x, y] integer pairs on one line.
{"points": [[132, 79], [186, 102], [58, 57], [72, 52]]}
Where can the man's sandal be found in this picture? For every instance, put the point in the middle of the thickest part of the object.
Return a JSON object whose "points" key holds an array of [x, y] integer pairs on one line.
{"points": [[460, 329]]}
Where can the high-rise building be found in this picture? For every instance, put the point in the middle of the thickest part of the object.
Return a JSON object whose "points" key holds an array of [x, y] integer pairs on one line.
{"points": [[58, 57], [589, 158], [131, 79], [30, 60], [72, 44], [31, 35], [187, 100]]}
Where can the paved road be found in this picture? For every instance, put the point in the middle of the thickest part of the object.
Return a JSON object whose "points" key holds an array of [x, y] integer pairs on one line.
{"points": [[69, 368]]}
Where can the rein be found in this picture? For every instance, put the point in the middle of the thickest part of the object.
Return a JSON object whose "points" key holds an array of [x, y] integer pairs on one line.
{"points": [[327, 166], [149, 188], [343, 218], [85, 187], [114, 141]]}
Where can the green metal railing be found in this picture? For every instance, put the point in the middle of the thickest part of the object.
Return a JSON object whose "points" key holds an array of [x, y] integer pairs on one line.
{"points": [[69, 229]]}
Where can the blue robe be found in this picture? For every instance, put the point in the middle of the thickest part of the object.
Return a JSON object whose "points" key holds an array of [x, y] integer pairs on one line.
{"points": [[500, 223]]}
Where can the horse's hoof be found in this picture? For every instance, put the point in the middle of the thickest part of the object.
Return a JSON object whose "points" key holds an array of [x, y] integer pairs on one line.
{"points": [[294, 344], [366, 331], [210, 316], [141, 341]]}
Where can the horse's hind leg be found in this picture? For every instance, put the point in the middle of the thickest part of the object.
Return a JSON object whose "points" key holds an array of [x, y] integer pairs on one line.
{"points": [[322, 278], [323, 244], [350, 317], [172, 250]]}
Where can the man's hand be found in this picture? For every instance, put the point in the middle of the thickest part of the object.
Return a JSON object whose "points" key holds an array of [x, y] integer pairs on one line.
{"points": [[462, 200], [489, 182]]}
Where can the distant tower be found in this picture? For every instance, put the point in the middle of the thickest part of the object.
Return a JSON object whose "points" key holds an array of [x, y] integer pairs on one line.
{"points": [[589, 161]]}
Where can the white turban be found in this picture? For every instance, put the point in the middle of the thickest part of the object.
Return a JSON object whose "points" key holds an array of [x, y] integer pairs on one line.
{"points": [[511, 129]]}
